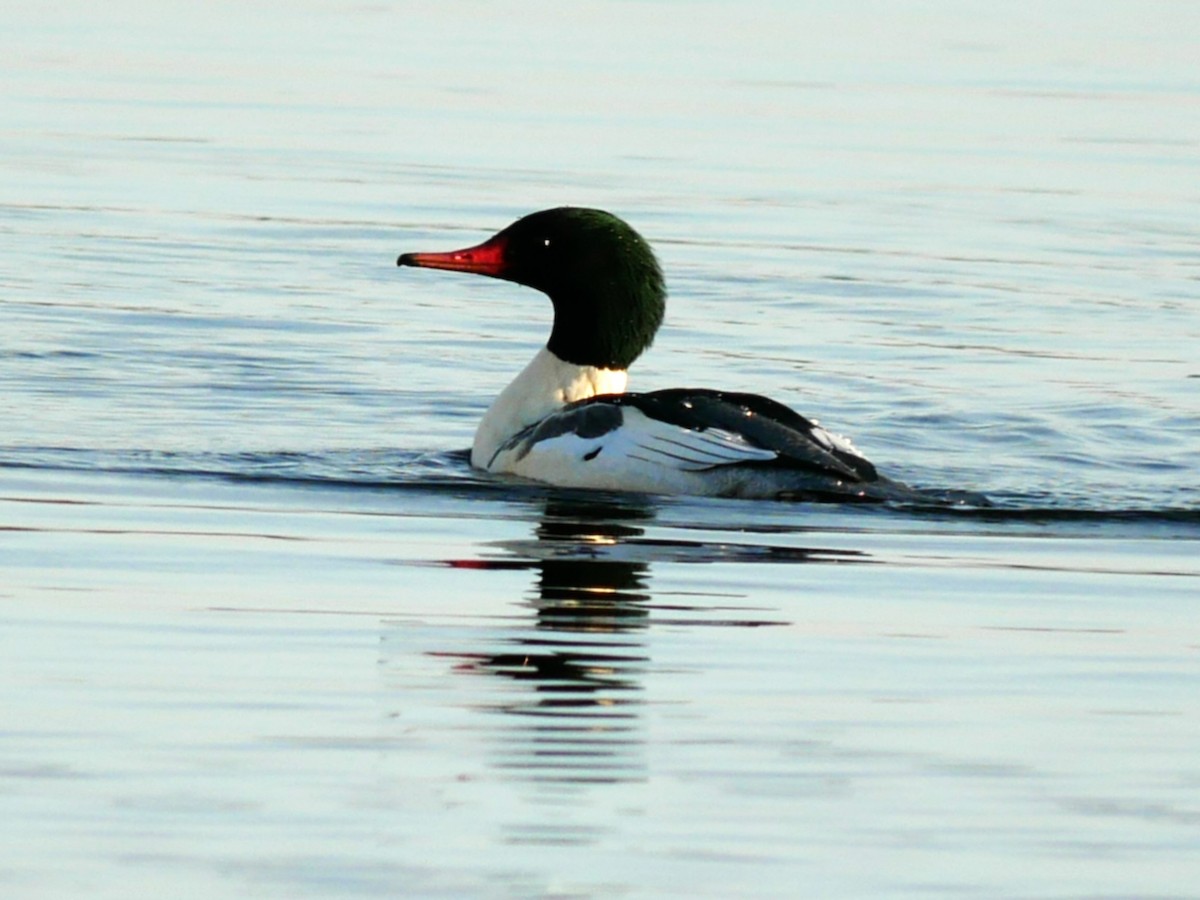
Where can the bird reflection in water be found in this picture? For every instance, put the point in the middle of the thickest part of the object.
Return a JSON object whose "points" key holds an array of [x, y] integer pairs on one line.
{"points": [[582, 658]]}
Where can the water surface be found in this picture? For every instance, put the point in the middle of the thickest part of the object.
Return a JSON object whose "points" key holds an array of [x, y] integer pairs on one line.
{"points": [[266, 633]]}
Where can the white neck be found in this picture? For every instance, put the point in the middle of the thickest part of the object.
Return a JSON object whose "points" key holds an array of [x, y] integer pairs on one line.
{"points": [[545, 385]]}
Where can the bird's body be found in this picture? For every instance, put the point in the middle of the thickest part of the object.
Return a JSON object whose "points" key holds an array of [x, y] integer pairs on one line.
{"points": [[566, 419]]}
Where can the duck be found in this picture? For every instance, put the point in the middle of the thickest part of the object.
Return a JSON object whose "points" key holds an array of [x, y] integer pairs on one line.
{"points": [[567, 420]]}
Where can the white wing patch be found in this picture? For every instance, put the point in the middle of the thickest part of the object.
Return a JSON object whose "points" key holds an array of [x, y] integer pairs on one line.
{"points": [[831, 441], [675, 447], [641, 454]]}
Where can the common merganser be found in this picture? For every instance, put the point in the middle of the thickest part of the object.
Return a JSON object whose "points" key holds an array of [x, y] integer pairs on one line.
{"points": [[566, 419]]}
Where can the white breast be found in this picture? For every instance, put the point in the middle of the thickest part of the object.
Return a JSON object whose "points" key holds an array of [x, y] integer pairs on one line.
{"points": [[546, 385]]}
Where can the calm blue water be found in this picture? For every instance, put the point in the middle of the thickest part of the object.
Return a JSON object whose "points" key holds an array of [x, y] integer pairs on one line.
{"points": [[266, 634]]}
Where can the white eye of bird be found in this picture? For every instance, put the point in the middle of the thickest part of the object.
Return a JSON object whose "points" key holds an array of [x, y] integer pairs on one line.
{"points": [[546, 242]]}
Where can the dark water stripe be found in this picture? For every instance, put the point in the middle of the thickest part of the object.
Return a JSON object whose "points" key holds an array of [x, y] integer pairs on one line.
{"points": [[449, 473]]}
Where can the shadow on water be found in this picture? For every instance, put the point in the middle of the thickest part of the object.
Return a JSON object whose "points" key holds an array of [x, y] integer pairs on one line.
{"points": [[579, 665]]}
